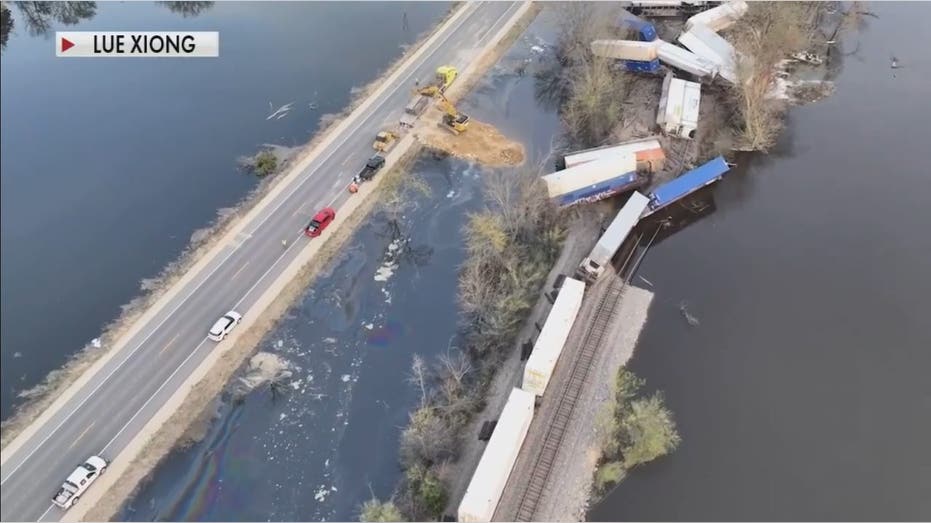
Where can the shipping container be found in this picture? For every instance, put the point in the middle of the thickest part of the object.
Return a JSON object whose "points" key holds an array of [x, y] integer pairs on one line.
{"points": [[600, 257], [709, 45], [679, 107], [626, 49], [636, 66], [594, 181], [720, 17], [648, 153], [553, 336], [491, 475], [688, 183], [683, 59], [646, 31]]}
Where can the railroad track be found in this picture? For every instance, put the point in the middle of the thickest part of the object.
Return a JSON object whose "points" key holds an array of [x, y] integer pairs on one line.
{"points": [[567, 400]]}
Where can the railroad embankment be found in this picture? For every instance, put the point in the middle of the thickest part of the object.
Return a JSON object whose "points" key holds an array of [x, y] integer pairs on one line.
{"points": [[592, 426]]}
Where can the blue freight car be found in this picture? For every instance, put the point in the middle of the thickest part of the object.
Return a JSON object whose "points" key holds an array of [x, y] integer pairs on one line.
{"points": [[688, 183]]}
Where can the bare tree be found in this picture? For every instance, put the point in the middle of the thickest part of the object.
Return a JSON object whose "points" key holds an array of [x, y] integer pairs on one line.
{"points": [[418, 377]]}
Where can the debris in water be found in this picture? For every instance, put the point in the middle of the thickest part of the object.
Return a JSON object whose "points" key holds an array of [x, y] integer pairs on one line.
{"points": [[345, 378], [17, 354], [648, 282], [264, 367], [684, 309], [329, 340], [96, 343], [321, 493], [536, 49], [283, 110]]}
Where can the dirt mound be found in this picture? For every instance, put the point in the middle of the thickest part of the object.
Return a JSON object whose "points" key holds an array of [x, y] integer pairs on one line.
{"points": [[481, 143]]}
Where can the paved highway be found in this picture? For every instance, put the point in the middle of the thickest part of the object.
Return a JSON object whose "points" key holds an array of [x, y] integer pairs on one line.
{"points": [[105, 415]]}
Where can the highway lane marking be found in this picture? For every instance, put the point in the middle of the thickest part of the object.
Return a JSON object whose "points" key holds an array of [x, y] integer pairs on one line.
{"points": [[114, 371], [170, 342], [372, 111], [233, 277], [81, 435], [144, 405], [199, 345], [49, 509], [335, 146]]}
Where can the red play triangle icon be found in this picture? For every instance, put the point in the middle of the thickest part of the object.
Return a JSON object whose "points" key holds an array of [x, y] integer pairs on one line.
{"points": [[66, 44]]}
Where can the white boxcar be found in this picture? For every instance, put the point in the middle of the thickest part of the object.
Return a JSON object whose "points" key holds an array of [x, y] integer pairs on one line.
{"points": [[553, 337], [686, 60], [679, 106], [588, 173], [593, 266], [709, 45], [720, 17], [626, 49], [647, 151], [491, 475]]}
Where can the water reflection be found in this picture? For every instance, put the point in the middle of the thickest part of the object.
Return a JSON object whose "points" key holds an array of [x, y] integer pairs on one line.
{"points": [[187, 9], [6, 25], [39, 17]]}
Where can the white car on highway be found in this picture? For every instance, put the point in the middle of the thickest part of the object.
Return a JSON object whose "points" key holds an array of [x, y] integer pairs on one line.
{"points": [[79, 481], [224, 325]]}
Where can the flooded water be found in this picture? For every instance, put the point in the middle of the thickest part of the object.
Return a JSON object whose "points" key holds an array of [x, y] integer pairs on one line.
{"points": [[330, 442], [109, 166], [803, 394]]}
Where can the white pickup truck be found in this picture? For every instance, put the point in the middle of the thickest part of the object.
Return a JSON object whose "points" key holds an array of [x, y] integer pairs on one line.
{"points": [[79, 481]]}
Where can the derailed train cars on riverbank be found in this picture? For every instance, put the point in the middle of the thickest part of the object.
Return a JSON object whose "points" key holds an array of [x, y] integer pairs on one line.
{"points": [[595, 180], [491, 475], [600, 257], [648, 152]]}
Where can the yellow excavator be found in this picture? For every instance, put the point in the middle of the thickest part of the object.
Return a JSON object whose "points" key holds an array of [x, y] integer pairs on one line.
{"points": [[453, 120], [445, 75], [384, 141]]}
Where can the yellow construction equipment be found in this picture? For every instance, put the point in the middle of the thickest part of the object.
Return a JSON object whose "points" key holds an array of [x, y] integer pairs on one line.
{"points": [[384, 141], [445, 75], [453, 120]]}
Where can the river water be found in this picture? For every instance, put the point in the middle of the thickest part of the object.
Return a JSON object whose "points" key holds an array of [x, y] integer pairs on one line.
{"points": [[109, 166], [330, 441], [800, 395], [804, 392]]}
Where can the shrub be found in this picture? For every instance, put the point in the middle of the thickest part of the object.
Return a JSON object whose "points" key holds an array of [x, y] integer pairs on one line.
{"points": [[608, 474], [648, 430], [375, 510], [264, 163]]}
